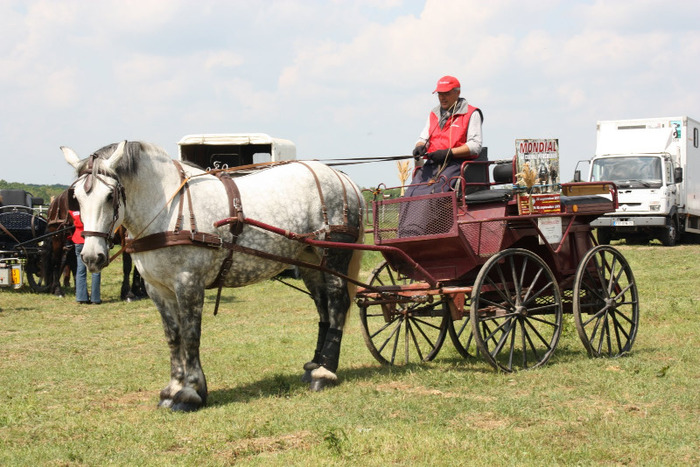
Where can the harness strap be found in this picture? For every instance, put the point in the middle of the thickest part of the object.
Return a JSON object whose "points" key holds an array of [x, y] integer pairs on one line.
{"points": [[324, 209], [236, 227]]}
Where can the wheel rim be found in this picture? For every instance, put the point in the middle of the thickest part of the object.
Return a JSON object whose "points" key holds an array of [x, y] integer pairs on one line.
{"points": [[462, 336], [606, 303], [402, 333], [516, 311]]}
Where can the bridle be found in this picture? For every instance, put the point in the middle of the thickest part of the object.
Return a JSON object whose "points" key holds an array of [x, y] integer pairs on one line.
{"points": [[89, 175]]}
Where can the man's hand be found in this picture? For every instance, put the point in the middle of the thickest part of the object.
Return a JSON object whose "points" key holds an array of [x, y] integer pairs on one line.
{"points": [[438, 156], [419, 151]]}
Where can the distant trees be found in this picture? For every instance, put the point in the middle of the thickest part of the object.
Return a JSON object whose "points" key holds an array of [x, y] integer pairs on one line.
{"points": [[38, 191]]}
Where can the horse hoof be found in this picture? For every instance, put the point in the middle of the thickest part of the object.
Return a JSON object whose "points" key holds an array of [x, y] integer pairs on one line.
{"points": [[318, 385], [185, 407], [186, 400], [165, 404], [321, 378], [308, 368]]}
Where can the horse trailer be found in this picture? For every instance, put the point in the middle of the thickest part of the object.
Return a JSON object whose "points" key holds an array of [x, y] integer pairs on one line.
{"points": [[220, 151]]}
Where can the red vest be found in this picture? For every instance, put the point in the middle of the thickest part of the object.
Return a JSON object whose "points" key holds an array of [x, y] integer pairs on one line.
{"points": [[77, 233], [453, 134]]}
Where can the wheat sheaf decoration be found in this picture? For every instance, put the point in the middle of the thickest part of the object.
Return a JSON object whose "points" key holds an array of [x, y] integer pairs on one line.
{"points": [[527, 178], [403, 168]]}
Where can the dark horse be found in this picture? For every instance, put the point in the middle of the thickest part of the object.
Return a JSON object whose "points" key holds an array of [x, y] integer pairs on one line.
{"points": [[62, 259]]}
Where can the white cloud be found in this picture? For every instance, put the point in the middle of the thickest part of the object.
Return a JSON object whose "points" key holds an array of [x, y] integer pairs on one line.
{"points": [[340, 78]]}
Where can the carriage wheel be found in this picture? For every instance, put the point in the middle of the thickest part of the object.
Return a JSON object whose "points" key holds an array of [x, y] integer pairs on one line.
{"points": [[399, 333], [462, 335], [37, 270], [516, 310], [606, 304]]}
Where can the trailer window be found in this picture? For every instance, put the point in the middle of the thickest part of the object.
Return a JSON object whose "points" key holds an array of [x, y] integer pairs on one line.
{"points": [[695, 138]]}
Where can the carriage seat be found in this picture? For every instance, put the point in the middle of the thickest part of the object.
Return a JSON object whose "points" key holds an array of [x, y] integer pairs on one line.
{"points": [[587, 203], [502, 174]]}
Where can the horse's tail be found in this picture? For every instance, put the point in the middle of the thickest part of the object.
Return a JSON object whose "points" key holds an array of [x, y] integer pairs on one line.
{"points": [[355, 261]]}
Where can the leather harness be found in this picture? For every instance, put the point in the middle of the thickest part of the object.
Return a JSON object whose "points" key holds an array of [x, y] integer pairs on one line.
{"points": [[178, 236]]}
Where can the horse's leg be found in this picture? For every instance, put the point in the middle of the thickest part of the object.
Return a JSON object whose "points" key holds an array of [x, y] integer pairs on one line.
{"points": [[334, 302], [166, 303], [315, 283], [181, 314], [71, 263], [55, 265], [138, 288], [126, 272], [190, 298]]}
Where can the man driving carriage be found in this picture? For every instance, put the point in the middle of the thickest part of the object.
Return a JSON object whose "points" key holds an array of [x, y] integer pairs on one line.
{"points": [[451, 135]]}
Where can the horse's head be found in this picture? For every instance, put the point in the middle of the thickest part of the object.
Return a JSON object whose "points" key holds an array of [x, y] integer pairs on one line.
{"points": [[99, 196]]}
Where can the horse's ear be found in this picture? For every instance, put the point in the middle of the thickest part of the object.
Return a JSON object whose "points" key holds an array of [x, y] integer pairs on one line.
{"points": [[117, 155], [71, 157]]}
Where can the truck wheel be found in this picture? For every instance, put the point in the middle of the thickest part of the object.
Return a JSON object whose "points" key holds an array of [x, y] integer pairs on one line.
{"points": [[670, 234], [604, 236]]}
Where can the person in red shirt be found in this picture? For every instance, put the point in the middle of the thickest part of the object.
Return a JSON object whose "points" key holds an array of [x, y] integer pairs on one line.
{"points": [[451, 135], [81, 291]]}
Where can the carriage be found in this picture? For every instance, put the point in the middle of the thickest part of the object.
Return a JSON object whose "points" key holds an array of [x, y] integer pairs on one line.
{"points": [[496, 264], [495, 261], [24, 248]]}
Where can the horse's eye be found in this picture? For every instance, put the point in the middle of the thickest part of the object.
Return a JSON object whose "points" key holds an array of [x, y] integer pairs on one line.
{"points": [[110, 197]]}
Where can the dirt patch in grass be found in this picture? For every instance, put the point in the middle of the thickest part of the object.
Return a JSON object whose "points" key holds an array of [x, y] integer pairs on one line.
{"points": [[248, 447]]}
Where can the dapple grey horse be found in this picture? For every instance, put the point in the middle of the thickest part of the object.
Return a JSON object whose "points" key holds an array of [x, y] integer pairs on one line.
{"points": [[138, 185]]}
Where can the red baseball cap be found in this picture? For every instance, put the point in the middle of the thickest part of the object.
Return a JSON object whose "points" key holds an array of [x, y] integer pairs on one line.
{"points": [[447, 83]]}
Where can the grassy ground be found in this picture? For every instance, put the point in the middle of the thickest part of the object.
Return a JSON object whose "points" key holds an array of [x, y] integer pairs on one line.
{"points": [[79, 386]]}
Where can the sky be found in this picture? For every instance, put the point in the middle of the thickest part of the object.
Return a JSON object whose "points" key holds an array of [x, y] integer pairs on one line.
{"points": [[339, 78]]}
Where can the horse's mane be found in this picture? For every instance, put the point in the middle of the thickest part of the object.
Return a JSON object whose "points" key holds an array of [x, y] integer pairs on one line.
{"points": [[135, 151], [58, 209]]}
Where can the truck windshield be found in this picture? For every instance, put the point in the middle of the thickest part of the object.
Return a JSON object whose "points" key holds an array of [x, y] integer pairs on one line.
{"points": [[633, 171]]}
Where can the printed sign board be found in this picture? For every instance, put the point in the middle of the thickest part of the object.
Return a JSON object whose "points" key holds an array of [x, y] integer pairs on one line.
{"points": [[538, 172]]}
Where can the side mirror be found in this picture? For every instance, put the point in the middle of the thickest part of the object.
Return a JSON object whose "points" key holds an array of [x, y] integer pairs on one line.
{"points": [[577, 176], [678, 175]]}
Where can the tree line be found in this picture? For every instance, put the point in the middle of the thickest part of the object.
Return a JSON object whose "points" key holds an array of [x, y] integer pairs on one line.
{"points": [[38, 191]]}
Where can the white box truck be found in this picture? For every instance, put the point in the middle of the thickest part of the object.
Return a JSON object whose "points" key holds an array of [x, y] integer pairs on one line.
{"points": [[655, 163], [219, 151]]}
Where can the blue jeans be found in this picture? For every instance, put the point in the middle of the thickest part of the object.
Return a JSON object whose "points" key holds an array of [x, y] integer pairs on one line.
{"points": [[81, 293]]}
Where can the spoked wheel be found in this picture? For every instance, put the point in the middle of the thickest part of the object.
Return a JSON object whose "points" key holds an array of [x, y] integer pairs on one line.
{"points": [[516, 311], [38, 271], [402, 332], [462, 335], [606, 304]]}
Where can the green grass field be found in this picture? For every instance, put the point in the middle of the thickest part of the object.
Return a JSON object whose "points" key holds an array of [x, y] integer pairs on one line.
{"points": [[79, 386]]}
